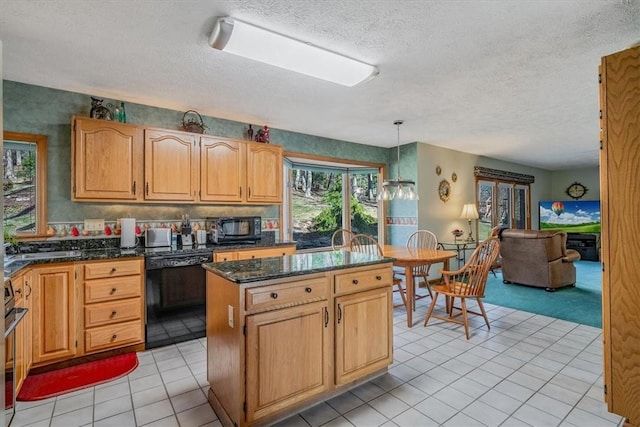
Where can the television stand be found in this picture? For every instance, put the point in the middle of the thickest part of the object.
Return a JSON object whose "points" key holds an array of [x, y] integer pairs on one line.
{"points": [[585, 244]]}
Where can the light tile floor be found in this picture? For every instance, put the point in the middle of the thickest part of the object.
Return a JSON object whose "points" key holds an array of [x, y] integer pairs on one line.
{"points": [[528, 370]]}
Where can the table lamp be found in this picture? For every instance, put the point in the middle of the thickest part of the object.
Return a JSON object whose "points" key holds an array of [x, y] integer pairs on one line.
{"points": [[469, 212]]}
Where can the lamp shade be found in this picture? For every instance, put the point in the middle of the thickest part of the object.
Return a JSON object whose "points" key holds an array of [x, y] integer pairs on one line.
{"points": [[469, 212], [249, 41]]}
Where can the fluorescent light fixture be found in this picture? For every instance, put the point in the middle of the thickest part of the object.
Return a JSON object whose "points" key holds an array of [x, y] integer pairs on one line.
{"points": [[243, 39]]}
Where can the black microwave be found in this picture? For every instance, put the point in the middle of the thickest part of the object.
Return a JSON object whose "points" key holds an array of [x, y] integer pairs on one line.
{"points": [[234, 229]]}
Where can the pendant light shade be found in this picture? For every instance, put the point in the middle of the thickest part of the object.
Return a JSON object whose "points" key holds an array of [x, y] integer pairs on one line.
{"points": [[398, 189]]}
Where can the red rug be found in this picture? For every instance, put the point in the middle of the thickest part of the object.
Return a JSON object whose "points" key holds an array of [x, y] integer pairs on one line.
{"points": [[65, 380]]}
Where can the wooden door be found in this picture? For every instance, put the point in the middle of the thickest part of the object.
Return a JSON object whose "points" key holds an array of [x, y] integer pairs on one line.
{"points": [[54, 328], [18, 363], [106, 160], [28, 324], [363, 337], [171, 165], [264, 173], [222, 170], [287, 357], [619, 192]]}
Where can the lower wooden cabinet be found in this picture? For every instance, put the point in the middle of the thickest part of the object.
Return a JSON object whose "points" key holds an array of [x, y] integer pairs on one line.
{"points": [[243, 254], [277, 345], [54, 305], [287, 357], [113, 304]]}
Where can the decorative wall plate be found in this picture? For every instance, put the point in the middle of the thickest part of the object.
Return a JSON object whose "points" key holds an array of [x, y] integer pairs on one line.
{"points": [[454, 177], [438, 170], [444, 190]]}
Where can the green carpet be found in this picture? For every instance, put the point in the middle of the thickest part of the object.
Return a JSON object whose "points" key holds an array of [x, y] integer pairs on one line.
{"points": [[579, 304]]}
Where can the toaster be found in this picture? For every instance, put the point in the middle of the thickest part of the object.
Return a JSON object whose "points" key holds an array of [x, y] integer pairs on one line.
{"points": [[157, 237]]}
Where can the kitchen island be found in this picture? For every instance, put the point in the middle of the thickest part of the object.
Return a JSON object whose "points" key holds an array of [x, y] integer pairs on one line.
{"points": [[288, 332]]}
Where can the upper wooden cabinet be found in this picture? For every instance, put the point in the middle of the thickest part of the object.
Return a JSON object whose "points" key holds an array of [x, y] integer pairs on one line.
{"points": [[171, 165], [235, 171], [120, 162], [106, 160]]}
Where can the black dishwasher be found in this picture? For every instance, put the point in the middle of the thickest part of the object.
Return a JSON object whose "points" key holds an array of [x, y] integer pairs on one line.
{"points": [[175, 297]]}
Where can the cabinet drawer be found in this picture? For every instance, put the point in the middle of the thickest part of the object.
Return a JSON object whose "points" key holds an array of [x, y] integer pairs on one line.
{"points": [[112, 336], [266, 253], [112, 289], [287, 293], [112, 312], [100, 270], [361, 280], [225, 256]]}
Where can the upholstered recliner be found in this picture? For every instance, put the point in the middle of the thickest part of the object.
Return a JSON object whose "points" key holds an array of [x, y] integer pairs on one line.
{"points": [[537, 258]]}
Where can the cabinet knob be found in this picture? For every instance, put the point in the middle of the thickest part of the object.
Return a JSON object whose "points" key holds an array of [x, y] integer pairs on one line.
{"points": [[113, 270], [378, 277], [113, 291], [355, 281], [114, 336], [308, 290], [274, 295], [113, 313], [18, 291]]}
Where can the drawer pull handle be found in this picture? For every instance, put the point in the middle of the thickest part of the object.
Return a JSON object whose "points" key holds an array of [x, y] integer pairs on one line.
{"points": [[308, 290], [355, 281], [274, 295], [339, 314], [378, 277], [326, 317], [114, 336], [113, 313], [113, 291]]}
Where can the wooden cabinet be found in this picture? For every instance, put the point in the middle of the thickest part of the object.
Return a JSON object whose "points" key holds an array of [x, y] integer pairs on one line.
{"points": [[243, 254], [287, 357], [235, 171], [619, 192], [170, 166], [113, 304], [223, 169], [54, 305], [122, 162], [106, 159], [284, 344]]}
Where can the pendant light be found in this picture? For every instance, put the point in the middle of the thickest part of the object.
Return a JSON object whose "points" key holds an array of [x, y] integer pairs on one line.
{"points": [[398, 189]]}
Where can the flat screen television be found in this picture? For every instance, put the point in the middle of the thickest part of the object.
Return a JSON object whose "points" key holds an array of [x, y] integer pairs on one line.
{"points": [[572, 216]]}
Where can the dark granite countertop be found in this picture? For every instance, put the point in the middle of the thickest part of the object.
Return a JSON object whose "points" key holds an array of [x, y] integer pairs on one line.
{"points": [[90, 254], [253, 270]]}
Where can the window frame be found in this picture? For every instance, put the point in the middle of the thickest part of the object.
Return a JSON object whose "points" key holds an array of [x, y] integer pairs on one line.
{"points": [[41, 179], [324, 162]]}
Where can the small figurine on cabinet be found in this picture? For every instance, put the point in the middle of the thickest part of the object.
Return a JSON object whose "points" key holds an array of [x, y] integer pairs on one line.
{"points": [[99, 111], [263, 135], [250, 133]]}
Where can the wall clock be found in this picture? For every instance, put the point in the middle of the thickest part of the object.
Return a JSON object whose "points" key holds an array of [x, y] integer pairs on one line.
{"points": [[576, 190]]}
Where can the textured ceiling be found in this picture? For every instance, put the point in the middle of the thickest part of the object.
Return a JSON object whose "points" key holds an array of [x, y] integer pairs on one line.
{"points": [[513, 80]]}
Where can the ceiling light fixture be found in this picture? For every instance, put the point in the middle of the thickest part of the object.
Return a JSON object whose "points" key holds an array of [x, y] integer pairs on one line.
{"points": [[249, 41], [398, 189]]}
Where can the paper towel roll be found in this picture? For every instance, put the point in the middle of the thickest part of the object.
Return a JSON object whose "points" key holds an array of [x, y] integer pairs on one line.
{"points": [[128, 232]]}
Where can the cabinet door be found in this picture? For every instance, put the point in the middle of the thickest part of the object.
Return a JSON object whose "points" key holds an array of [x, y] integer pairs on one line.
{"points": [[287, 357], [222, 170], [171, 165], [54, 329], [619, 165], [264, 173], [106, 160], [225, 256], [364, 340], [27, 321]]}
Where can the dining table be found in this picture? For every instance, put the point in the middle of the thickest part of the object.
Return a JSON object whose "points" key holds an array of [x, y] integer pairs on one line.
{"points": [[408, 258]]}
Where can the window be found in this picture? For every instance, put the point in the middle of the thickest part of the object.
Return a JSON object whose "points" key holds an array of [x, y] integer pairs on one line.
{"points": [[324, 195], [24, 184], [503, 199]]}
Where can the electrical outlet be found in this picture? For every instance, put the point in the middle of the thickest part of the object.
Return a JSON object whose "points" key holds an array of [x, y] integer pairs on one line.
{"points": [[231, 316], [94, 225]]}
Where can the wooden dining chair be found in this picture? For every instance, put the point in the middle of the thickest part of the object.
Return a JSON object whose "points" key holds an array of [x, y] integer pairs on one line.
{"points": [[467, 282], [421, 239], [341, 238], [366, 244]]}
